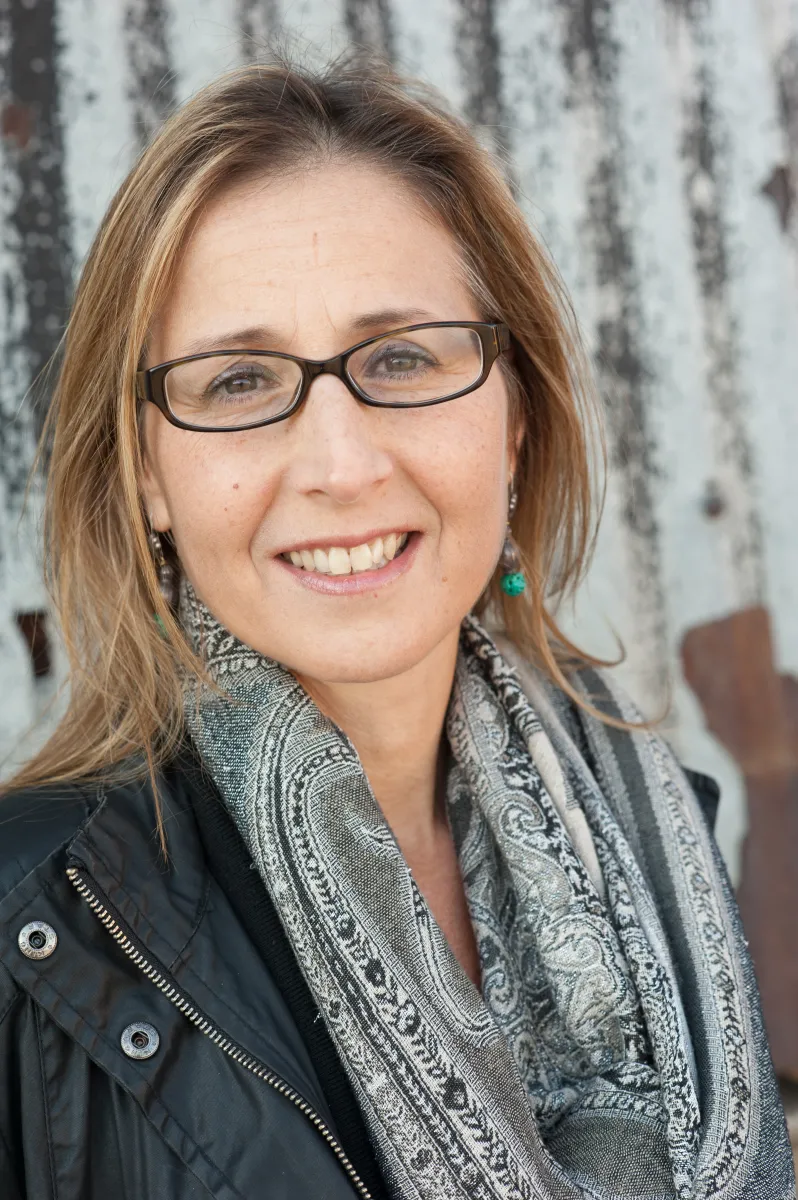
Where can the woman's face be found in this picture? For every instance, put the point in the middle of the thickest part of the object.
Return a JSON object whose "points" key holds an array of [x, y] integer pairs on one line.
{"points": [[310, 265]]}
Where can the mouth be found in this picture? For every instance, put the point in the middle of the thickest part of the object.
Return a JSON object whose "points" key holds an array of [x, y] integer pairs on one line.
{"points": [[373, 555]]}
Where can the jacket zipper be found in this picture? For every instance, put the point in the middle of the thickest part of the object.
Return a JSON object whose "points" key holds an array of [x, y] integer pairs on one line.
{"points": [[173, 993]]}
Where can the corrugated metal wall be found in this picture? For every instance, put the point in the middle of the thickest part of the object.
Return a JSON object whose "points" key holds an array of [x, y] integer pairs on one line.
{"points": [[654, 144]]}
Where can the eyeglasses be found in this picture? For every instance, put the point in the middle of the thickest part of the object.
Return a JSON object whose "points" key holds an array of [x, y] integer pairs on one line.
{"points": [[227, 391]]}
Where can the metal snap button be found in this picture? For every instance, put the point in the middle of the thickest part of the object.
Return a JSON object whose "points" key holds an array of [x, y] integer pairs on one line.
{"points": [[37, 939], [140, 1040]]}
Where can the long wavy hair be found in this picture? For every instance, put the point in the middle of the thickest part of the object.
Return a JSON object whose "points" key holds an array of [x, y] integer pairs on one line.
{"points": [[126, 678]]}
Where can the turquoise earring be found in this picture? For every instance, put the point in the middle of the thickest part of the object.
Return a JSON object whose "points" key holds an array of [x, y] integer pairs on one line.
{"points": [[512, 581]]}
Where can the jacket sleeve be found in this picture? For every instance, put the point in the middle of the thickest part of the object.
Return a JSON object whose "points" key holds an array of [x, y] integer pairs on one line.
{"points": [[25, 1150]]}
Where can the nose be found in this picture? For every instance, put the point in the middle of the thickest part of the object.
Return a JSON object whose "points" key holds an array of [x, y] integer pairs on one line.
{"points": [[336, 450]]}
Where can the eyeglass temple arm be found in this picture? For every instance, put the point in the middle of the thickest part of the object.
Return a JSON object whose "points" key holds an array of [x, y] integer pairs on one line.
{"points": [[142, 385], [501, 336]]}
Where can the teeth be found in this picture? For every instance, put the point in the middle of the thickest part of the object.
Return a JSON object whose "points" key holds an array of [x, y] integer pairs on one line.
{"points": [[361, 557], [339, 560], [369, 556]]}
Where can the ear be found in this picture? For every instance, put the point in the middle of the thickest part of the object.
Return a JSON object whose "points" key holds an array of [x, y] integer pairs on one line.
{"points": [[151, 487], [517, 435]]}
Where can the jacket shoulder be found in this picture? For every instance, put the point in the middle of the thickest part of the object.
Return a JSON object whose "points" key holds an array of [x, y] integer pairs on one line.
{"points": [[36, 821]]}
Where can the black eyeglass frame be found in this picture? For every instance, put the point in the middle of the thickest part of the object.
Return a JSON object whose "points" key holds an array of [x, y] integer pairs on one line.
{"points": [[494, 338]]}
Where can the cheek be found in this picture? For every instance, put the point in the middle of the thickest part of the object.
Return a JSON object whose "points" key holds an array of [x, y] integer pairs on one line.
{"points": [[469, 472], [216, 490]]}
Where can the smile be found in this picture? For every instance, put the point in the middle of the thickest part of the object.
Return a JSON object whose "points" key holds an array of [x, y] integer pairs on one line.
{"points": [[336, 560]]}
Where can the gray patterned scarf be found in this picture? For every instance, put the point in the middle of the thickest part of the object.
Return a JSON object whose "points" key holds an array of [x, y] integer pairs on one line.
{"points": [[616, 1049]]}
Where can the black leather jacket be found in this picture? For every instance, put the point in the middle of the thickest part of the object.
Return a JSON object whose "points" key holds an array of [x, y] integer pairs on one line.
{"points": [[243, 1097]]}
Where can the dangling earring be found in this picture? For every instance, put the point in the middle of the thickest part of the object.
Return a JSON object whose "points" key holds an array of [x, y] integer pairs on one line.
{"points": [[512, 580], [166, 573]]}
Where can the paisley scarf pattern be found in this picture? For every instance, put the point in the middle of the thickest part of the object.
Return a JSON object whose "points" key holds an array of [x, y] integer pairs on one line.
{"points": [[610, 1053]]}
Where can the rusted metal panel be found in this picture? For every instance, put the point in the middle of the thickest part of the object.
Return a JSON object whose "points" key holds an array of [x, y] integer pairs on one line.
{"points": [[593, 52], [37, 220], [706, 176], [258, 21], [478, 52], [371, 23], [148, 67]]}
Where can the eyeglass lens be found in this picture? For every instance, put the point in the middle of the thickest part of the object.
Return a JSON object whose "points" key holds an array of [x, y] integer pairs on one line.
{"points": [[414, 367]]}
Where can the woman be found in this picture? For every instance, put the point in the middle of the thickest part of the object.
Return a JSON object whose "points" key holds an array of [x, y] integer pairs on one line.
{"points": [[319, 890]]}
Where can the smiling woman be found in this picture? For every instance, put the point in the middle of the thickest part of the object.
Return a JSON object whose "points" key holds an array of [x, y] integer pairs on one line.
{"points": [[328, 461], [322, 408]]}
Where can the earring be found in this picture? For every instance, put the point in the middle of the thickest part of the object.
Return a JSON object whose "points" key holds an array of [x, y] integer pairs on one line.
{"points": [[512, 579], [166, 572]]}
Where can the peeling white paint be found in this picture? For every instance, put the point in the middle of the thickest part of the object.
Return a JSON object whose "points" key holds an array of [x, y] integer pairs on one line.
{"points": [[426, 47], [99, 141], [205, 40]]}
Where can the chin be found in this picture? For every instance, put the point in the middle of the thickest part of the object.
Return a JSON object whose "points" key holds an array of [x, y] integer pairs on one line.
{"points": [[359, 656], [328, 667]]}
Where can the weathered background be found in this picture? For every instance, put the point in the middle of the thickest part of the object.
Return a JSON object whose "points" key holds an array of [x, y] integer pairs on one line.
{"points": [[654, 145]]}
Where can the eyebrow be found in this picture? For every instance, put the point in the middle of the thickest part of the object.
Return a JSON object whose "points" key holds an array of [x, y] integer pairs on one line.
{"points": [[255, 337], [393, 317]]}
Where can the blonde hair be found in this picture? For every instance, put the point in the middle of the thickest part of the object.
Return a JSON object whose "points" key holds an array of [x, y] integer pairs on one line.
{"points": [[126, 679]]}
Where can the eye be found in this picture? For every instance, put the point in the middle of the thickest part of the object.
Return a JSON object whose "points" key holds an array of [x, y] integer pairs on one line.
{"points": [[242, 379], [398, 360], [239, 383]]}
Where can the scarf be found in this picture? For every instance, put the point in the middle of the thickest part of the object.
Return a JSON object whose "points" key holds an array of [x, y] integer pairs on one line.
{"points": [[616, 1048]]}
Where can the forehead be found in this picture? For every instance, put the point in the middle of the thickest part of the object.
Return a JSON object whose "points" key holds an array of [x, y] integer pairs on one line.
{"points": [[306, 256]]}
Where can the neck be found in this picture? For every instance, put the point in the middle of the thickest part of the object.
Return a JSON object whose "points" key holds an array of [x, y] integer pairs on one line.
{"points": [[396, 726]]}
